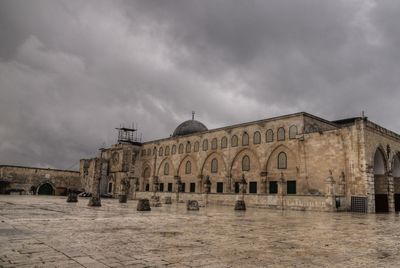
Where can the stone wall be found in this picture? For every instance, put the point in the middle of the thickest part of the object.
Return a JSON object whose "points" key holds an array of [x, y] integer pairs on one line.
{"points": [[28, 180], [298, 202]]}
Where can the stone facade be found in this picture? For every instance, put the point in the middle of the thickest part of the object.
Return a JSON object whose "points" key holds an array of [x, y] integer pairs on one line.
{"points": [[29, 180], [296, 161]]}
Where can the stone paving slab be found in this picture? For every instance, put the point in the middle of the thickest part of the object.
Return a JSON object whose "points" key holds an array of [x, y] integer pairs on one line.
{"points": [[37, 231]]}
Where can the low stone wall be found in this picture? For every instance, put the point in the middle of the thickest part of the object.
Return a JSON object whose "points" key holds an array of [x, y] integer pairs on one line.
{"points": [[292, 202]]}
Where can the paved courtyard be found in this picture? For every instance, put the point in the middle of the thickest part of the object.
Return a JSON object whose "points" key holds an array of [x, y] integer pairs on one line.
{"points": [[48, 232]]}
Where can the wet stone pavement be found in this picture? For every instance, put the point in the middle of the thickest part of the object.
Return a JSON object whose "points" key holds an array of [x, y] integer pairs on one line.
{"points": [[48, 232]]}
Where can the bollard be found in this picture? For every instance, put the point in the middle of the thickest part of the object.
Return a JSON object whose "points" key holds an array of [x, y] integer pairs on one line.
{"points": [[123, 198], [168, 200], [143, 205], [240, 205], [192, 205]]}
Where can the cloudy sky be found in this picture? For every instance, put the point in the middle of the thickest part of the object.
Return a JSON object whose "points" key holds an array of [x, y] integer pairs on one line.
{"points": [[72, 71]]}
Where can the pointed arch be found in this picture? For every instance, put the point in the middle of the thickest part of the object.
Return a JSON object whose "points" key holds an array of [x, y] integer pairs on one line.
{"points": [[182, 166], [221, 163], [171, 168], [250, 153], [380, 161], [290, 157]]}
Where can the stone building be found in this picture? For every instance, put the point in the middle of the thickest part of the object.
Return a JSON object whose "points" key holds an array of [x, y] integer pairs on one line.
{"points": [[297, 161], [31, 180]]}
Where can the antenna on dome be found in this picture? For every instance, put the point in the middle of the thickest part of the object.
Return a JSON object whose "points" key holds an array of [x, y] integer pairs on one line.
{"points": [[193, 113]]}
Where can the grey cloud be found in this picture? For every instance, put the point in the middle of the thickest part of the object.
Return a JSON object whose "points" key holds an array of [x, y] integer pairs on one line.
{"points": [[72, 71]]}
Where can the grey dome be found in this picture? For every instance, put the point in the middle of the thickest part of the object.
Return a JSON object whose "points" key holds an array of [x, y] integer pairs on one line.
{"points": [[189, 127]]}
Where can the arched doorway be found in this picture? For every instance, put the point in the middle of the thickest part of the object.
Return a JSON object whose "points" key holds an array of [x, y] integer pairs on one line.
{"points": [[45, 189], [380, 183]]}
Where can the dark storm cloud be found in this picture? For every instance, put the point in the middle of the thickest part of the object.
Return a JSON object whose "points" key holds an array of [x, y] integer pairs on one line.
{"points": [[72, 71]]}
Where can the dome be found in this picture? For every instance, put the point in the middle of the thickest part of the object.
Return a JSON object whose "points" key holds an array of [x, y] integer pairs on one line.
{"points": [[189, 127]]}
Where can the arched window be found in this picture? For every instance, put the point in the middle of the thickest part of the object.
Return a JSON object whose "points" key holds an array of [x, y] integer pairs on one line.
{"points": [[146, 172], [166, 169], [196, 146], [245, 139], [292, 132], [173, 150], [257, 137], [214, 144], [282, 160], [214, 165], [154, 151], [270, 135], [205, 145], [149, 152], [281, 134], [143, 152], [246, 163], [160, 151], [167, 151], [180, 149], [188, 168], [234, 141], [224, 142], [188, 147]]}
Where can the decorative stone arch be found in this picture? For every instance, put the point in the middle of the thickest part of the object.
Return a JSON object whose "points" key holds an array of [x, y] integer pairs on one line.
{"points": [[220, 177], [190, 182], [380, 161], [43, 187], [396, 165], [252, 174], [382, 184], [238, 158], [181, 168], [290, 173], [144, 179], [160, 169]]}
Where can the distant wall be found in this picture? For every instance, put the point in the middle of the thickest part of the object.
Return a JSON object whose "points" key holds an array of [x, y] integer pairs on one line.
{"points": [[28, 180]]}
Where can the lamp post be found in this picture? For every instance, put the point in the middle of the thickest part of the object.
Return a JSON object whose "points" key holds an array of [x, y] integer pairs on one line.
{"points": [[240, 204], [178, 183], [207, 189], [155, 200]]}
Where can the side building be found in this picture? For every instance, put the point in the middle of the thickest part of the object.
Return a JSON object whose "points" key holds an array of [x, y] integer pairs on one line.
{"points": [[296, 161], [42, 181]]}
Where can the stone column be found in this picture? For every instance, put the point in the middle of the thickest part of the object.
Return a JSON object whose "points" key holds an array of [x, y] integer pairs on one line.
{"points": [[199, 189], [390, 181], [281, 185], [370, 189], [330, 192], [94, 200]]}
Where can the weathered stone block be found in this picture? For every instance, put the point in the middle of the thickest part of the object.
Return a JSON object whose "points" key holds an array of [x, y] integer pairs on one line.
{"points": [[143, 205], [168, 200], [192, 205], [155, 201], [94, 201], [72, 198], [240, 205], [123, 198]]}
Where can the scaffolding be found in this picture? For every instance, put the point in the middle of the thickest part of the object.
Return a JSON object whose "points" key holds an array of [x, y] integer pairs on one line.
{"points": [[129, 135]]}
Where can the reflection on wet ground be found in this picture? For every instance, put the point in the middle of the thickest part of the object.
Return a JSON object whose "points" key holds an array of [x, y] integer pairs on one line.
{"points": [[47, 231]]}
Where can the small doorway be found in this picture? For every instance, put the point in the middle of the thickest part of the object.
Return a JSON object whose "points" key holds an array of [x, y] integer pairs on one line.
{"points": [[192, 187], [46, 189], [220, 187], [237, 187], [381, 203], [397, 202]]}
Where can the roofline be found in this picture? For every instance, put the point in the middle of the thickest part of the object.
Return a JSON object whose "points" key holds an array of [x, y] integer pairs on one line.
{"points": [[51, 169], [249, 123]]}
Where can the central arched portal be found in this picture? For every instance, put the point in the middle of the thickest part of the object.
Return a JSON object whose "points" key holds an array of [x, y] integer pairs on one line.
{"points": [[45, 189], [380, 183]]}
